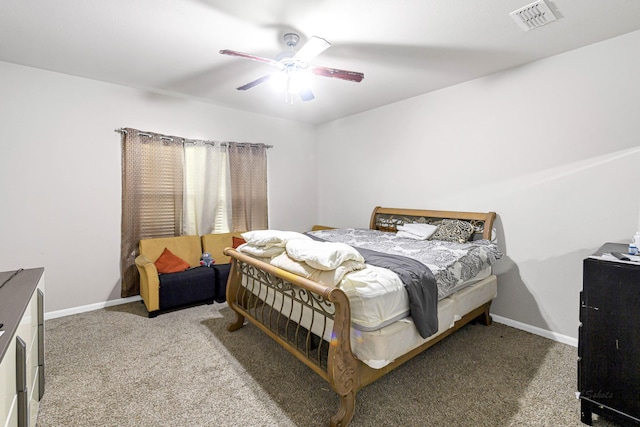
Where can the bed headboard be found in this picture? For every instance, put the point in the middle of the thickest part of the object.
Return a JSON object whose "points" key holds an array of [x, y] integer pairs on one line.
{"points": [[387, 219]]}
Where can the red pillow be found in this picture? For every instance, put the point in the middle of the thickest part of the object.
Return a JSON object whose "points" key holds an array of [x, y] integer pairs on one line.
{"points": [[170, 263], [237, 241]]}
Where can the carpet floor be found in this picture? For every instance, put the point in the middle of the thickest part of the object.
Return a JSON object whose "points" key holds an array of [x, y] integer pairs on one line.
{"points": [[116, 367]]}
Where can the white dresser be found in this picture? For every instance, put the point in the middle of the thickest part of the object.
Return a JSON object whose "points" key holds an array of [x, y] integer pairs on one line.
{"points": [[21, 346]]}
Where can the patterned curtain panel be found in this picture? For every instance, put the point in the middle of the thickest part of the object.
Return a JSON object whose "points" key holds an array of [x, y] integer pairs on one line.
{"points": [[248, 166], [152, 196]]}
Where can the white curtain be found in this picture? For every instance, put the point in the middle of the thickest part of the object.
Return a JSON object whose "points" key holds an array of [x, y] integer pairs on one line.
{"points": [[207, 197]]}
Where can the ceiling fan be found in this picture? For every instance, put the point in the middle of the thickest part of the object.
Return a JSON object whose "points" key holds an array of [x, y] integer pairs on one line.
{"points": [[294, 67]]}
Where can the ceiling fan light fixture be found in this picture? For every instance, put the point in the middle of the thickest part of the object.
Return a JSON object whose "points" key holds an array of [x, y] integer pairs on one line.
{"points": [[292, 84], [298, 82], [278, 82]]}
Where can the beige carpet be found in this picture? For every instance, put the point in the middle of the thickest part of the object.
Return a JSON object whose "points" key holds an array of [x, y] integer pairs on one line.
{"points": [[116, 367]]}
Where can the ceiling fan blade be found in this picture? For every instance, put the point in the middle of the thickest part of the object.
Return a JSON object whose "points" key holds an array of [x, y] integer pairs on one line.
{"points": [[255, 82], [312, 48], [306, 94], [335, 73], [251, 57]]}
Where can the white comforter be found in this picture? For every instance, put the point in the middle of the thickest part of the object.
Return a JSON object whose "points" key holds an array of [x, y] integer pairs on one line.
{"points": [[323, 262]]}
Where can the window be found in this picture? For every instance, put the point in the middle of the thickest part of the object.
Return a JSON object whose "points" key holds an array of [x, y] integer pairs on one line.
{"points": [[172, 186]]}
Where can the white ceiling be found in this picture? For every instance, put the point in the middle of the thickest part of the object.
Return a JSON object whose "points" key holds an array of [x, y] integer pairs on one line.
{"points": [[404, 47]]}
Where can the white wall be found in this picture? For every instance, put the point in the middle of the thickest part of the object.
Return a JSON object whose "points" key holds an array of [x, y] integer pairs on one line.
{"points": [[60, 173], [553, 147]]}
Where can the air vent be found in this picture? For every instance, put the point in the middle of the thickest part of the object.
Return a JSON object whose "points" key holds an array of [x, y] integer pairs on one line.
{"points": [[533, 16]]}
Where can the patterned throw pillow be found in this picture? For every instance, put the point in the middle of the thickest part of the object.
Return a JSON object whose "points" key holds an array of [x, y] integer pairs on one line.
{"points": [[453, 230], [170, 263]]}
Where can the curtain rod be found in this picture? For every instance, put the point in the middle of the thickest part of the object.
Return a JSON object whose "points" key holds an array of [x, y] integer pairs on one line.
{"points": [[192, 141]]}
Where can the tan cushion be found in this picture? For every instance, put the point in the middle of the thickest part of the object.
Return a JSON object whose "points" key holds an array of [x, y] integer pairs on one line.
{"points": [[170, 263], [216, 243], [186, 247]]}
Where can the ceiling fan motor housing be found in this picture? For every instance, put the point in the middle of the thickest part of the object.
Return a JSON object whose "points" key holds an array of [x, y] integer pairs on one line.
{"points": [[291, 39]]}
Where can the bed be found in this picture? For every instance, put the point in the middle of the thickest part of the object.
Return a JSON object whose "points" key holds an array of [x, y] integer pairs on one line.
{"points": [[329, 327]]}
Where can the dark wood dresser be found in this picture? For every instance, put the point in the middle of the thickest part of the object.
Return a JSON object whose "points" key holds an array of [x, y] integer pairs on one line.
{"points": [[609, 339]]}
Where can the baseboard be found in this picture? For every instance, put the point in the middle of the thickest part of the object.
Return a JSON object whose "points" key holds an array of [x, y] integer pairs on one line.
{"points": [[90, 307], [535, 330], [499, 319]]}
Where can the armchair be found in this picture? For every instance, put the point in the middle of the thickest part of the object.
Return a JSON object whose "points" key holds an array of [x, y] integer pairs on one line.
{"points": [[180, 288]]}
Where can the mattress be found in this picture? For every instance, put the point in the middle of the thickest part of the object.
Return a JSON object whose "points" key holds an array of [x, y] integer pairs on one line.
{"points": [[382, 346], [379, 348], [378, 298]]}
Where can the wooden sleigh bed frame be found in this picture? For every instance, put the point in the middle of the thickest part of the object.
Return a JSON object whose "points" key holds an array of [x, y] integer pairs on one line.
{"points": [[313, 321]]}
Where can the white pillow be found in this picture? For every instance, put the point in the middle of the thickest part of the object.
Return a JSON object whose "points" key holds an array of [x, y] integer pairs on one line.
{"points": [[416, 231], [322, 255], [261, 251], [406, 235], [269, 238]]}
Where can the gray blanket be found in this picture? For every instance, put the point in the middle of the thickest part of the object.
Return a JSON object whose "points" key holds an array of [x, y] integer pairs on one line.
{"points": [[418, 281]]}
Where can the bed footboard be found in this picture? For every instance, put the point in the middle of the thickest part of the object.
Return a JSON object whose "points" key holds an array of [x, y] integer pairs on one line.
{"points": [[310, 320]]}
